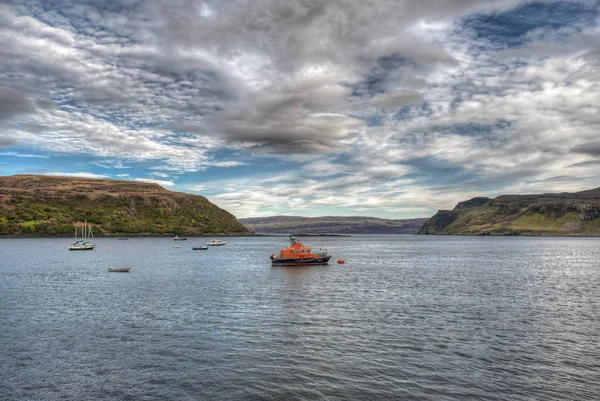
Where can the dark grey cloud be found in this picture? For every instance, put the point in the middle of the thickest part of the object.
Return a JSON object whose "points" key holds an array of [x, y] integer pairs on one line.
{"points": [[560, 178], [590, 148], [397, 99], [7, 141], [13, 104], [45, 104], [588, 163]]}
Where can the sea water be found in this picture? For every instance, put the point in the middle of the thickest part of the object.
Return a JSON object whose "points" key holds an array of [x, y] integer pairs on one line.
{"points": [[406, 317]]}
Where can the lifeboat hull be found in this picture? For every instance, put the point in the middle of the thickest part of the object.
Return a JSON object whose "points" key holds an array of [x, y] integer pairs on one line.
{"points": [[301, 261]]}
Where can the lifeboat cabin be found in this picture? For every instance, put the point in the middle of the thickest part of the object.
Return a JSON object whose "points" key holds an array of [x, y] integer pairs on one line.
{"points": [[296, 255]]}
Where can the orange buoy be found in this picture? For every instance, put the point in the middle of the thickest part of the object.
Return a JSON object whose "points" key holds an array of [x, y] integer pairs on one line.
{"points": [[341, 261], [108, 249]]}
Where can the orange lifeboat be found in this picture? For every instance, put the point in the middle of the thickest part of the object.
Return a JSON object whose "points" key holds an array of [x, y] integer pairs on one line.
{"points": [[297, 254]]}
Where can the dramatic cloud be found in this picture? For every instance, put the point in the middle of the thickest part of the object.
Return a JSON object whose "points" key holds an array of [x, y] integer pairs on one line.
{"points": [[389, 108]]}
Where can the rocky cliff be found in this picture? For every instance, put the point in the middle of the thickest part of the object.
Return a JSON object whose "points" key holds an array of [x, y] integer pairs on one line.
{"points": [[546, 214]]}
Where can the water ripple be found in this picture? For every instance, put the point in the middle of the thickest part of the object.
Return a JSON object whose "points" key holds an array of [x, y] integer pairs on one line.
{"points": [[404, 318]]}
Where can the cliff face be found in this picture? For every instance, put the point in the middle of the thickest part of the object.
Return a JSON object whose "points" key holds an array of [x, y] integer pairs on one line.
{"points": [[32, 204], [547, 214], [332, 225]]}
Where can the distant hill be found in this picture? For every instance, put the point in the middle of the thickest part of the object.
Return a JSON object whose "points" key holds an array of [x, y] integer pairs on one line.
{"points": [[31, 204], [568, 214], [332, 225]]}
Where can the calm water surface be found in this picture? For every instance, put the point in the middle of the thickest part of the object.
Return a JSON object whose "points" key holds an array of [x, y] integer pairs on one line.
{"points": [[433, 318]]}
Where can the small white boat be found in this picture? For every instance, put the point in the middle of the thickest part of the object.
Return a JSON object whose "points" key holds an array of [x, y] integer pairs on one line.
{"points": [[178, 238], [215, 242], [119, 269], [175, 246]]}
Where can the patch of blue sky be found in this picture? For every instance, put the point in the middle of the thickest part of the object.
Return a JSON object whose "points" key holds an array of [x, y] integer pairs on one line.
{"points": [[442, 177], [413, 110], [377, 119], [14, 164], [246, 166], [510, 29], [476, 130], [376, 81], [433, 171]]}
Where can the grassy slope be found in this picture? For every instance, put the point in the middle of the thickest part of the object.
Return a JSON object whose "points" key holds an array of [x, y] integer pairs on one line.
{"points": [[550, 214], [54, 205]]}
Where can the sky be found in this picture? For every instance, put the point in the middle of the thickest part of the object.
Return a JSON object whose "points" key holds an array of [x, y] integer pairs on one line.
{"points": [[390, 109]]}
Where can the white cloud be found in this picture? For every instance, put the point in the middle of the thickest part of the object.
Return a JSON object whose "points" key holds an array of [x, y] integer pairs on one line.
{"points": [[387, 106], [163, 183], [197, 188], [79, 174], [230, 163], [26, 155]]}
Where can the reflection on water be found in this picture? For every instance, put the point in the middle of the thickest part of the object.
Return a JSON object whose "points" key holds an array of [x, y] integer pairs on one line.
{"points": [[404, 318]]}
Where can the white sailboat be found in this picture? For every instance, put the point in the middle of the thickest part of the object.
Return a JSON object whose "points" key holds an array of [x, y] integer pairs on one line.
{"points": [[86, 242]]}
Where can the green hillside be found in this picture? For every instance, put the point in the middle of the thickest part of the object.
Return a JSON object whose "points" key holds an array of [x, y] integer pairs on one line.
{"points": [[43, 205], [564, 214]]}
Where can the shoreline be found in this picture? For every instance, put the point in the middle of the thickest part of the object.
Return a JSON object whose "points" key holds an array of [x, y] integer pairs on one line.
{"points": [[14, 236], [133, 235], [303, 235]]}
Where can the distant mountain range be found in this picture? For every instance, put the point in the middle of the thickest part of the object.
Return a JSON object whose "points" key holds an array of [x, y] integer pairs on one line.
{"points": [[564, 214], [331, 225], [44, 205]]}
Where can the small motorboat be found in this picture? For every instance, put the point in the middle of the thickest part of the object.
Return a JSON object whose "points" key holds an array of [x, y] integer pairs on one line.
{"points": [[215, 242], [119, 269], [178, 238], [200, 248], [175, 246], [298, 255]]}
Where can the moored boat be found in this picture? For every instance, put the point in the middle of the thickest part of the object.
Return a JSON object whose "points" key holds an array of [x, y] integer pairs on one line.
{"points": [[200, 248], [119, 269], [178, 238], [215, 242], [299, 255], [85, 243]]}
